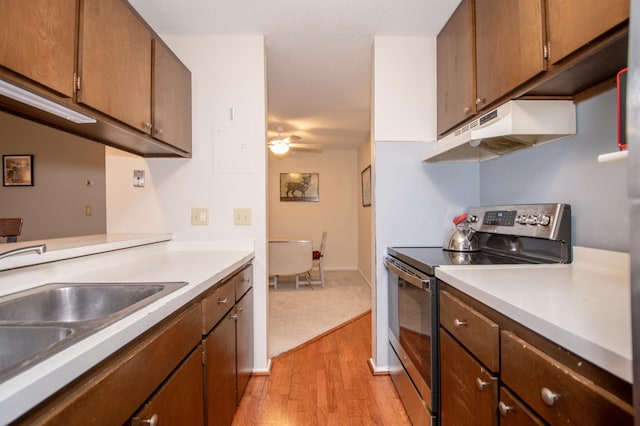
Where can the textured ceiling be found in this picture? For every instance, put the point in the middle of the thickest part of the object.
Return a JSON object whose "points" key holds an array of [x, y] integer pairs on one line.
{"points": [[318, 52]]}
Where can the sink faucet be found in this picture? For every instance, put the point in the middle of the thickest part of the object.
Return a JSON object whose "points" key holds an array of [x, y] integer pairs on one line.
{"points": [[39, 249]]}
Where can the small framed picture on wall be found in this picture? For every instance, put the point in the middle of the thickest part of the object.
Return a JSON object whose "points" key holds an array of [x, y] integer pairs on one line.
{"points": [[17, 170], [366, 186]]}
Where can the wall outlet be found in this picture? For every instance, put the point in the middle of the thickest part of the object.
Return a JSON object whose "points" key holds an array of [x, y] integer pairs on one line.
{"points": [[199, 216], [242, 216], [138, 178]]}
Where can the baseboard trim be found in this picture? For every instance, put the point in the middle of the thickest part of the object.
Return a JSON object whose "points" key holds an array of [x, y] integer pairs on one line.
{"points": [[375, 371], [263, 373]]}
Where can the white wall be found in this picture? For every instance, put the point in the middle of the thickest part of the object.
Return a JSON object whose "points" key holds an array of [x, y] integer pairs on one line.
{"points": [[336, 211], [404, 88], [55, 206], [228, 167], [414, 201], [365, 218]]}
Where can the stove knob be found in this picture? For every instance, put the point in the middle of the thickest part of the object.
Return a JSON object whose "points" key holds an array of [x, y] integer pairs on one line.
{"points": [[544, 220], [532, 220], [522, 219], [472, 218]]}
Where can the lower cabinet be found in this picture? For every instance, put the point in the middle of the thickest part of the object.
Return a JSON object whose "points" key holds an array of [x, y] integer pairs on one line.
{"points": [[228, 347], [191, 369], [220, 372], [179, 400], [535, 382], [469, 391]]}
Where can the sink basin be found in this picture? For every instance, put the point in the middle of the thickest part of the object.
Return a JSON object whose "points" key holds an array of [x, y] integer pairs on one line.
{"points": [[69, 303], [19, 343], [37, 323]]}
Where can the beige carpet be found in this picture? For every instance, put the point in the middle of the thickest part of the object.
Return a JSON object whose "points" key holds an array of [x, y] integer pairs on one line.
{"points": [[297, 316]]}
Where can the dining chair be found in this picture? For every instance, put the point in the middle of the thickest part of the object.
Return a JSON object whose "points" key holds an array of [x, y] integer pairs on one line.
{"points": [[10, 228], [317, 264]]}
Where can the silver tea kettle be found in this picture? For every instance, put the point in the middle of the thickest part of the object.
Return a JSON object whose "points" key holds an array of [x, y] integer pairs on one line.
{"points": [[461, 237]]}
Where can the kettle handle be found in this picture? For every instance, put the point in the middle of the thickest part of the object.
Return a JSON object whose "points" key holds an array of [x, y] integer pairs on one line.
{"points": [[459, 219]]}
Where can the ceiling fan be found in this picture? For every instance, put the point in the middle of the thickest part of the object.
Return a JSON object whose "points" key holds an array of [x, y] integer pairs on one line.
{"points": [[280, 145]]}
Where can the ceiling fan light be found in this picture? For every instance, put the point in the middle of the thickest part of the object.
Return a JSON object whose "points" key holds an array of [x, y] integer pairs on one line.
{"points": [[279, 147]]}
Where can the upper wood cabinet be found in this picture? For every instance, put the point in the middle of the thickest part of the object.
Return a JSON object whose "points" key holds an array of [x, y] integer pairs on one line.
{"points": [[509, 46], [114, 62], [456, 68], [574, 23], [171, 98], [37, 41]]}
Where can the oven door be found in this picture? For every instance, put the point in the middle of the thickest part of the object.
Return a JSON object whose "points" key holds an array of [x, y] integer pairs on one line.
{"points": [[413, 322]]}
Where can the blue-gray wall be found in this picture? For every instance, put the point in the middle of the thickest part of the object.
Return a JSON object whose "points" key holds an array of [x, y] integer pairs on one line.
{"points": [[567, 171]]}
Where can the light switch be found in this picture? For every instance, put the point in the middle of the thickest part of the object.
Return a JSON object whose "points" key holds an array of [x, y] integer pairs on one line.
{"points": [[242, 216], [199, 216]]}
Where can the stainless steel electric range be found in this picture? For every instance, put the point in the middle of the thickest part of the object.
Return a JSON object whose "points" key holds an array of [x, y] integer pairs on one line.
{"points": [[515, 234]]}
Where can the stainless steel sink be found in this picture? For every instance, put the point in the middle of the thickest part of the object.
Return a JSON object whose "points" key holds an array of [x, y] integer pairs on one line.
{"points": [[70, 303], [37, 323], [18, 343]]}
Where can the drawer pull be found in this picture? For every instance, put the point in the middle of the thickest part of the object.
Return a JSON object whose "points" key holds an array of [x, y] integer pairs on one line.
{"points": [[481, 384], [223, 301], [548, 396], [505, 409], [151, 421], [459, 323], [233, 317]]}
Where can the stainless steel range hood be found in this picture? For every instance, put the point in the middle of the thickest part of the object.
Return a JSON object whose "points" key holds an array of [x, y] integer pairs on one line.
{"points": [[512, 126]]}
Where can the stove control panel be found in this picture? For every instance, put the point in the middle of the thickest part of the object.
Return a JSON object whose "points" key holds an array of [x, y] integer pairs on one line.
{"points": [[548, 221]]}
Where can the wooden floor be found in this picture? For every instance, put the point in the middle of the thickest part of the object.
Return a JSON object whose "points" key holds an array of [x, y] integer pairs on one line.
{"points": [[326, 382]]}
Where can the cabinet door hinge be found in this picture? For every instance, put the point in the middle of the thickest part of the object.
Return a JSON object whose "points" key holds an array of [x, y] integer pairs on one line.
{"points": [[76, 82], [546, 50]]}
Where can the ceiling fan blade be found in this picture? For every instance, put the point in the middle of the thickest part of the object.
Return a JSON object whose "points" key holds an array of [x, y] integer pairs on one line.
{"points": [[305, 146]]}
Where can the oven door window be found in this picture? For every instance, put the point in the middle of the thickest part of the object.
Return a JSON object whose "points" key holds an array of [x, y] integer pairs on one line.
{"points": [[414, 328]]}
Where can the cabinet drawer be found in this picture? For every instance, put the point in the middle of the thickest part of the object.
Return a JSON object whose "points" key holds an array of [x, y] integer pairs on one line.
{"points": [[479, 334], [515, 413], [557, 393], [243, 281], [216, 304]]}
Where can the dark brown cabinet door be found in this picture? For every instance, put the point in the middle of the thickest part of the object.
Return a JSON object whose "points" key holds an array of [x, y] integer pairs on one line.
{"points": [[220, 373], [115, 62], [171, 99], [509, 46], [574, 23], [37, 40], [179, 401], [456, 68], [469, 392], [244, 339]]}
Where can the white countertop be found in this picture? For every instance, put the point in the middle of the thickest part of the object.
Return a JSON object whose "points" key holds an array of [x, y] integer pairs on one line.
{"points": [[584, 307], [201, 264]]}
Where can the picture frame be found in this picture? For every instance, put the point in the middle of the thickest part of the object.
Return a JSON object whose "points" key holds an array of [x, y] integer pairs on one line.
{"points": [[366, 186], [300, 187], [17, 170]]}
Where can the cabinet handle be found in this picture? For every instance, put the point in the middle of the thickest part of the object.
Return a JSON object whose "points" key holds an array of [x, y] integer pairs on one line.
{"points": [[151, 421], [466, 110], [223, 301], [246, 280], [159, 131], [481, 384], [233, 317], [549, 397], [147, 125], [239, 309], [480, 101], [505, 409], [459, 323]]}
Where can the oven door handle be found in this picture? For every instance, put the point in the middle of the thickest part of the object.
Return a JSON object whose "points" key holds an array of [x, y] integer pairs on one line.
{"points": [[408, 274]]}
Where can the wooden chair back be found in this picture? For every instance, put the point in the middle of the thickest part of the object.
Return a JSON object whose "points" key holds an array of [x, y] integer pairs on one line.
{"points": [[10, 228]]}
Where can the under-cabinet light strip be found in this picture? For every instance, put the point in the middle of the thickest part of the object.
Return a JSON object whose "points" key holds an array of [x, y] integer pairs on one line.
{"points": [[21, 95]]}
